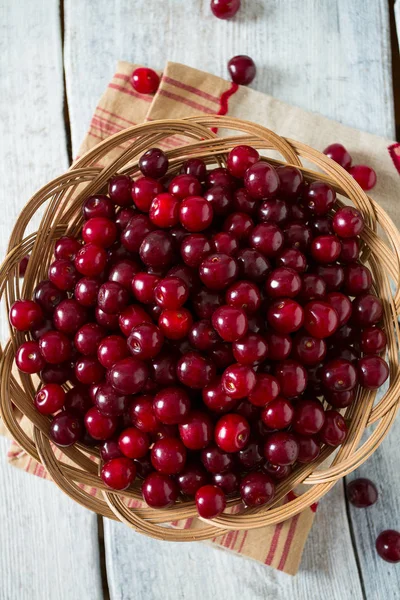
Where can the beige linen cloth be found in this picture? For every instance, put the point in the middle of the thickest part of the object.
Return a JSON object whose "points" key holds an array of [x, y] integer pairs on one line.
{"points": [[186, 92]]}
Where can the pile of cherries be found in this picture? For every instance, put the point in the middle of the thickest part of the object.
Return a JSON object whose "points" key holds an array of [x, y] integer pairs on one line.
{"points": [[200, 322]]}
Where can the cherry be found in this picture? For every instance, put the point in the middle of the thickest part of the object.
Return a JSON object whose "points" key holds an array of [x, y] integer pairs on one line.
{"points": [[168, 456], [128, 375], [26, 315], [251, 413], [164, 211], [87, 340], [257, 489], [373, 340], [322, 226], [65, 429], [106, 320], [232, 432], [90, 261], [171, 292], [118, 473], [195, 371], [99, 426], [309, 449], [124, 216], [274, 211], [109, 450], [86, 291], [283, 282], [66, 247], [157, 250], [240, 159], [312, 287], [109, 402], [357, 279], [98, 206], [196, 168], [361, 492], [291, 182], [325, 248], [171, 405], [281, 448], [225, 9], [50, 399], [239, 225], [261, 181], [348, 222], [159, 490], [142, 414], [285, 315], [56, 373], [364, 175], [228, 482], [388, 545], [210, 501], [238, 380], [143, 285], [122, 273], [216, 399], [131, 317], [145, 341], [164, 368], [320, 319], [203, 336], [242, 69], [292, 378], [191, 478], [175, 324], [153, 163], [292, 259], [143, 192], [220, 198], [99, 231], [28, 358], [266, 390], [339, 154], [63, 274], [277, 472], [243, 202], [112, 349], [334, 430], [244, 295], [372, 372], [230, 323], [135, 232], [195, 213], [220, 177], [319, 198], [340, 399], [342, 304], [339, 375], [224, 243], [78, 400], [308, 350], [367, 310], [309, 417], [250, 349], [350, 250], [145, 80], [119, 189], [279, 345], [278, 414], [252, 265], [88, 370], [48, 296], [267, 238], [196, 430]]}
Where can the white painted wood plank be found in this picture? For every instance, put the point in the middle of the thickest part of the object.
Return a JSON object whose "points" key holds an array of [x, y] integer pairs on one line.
{"points": [[49, 548], [329, 57], [175, 571]]}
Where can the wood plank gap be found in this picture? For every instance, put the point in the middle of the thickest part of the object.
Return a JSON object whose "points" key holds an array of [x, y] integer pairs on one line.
{"points": [[67, 123], [353, 541], [394, 39], [102, 555]]}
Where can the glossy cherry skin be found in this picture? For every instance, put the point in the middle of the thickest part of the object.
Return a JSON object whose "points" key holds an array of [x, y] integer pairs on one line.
{"points": [[225, 9], [145, 341], [357, 279], [159, 490], [291, 182], [333, 276], [110, 449], [364, 175], [252, 265], [124, 216], [309, 449], [309, 417], [238, 380], [145, 80], [216, 399], [325, 248], [229, 482], [266, 390], [142, 414], [292, 259], [153, 163], [118, 473], [50, 399], [128, 375], [244, 295], [88, 370], [28, 358], [232, 432], [230, 323], [339, 375], [320, 319], [99, 231], [26, 315], [312, 287], [163, 368], [143, 192], [362, 493], [342, 304], [134, 443], [194, 249], [195, 371], [242, 69], [285, 316], [367, 310], [131, 317], [350, 250], [218, 271], [250, 349], [99, 426], [297, 235], [339, 154], [195, 213], [156, 250], [261, 181], [292, 378], [340, 399], [107, 321], [109, 402], [168, 456], [277, 472], [279, 345], [112, 349], [86, 291], [373, 340], [244, 203], [192, 477], [348, 222], [143, 285], [123, 272], [283, 283], [65, 429], [334, 430], [69, 316], [321, 226], [257, 489], [196, 430], [135, 232], [171, 405], [308, 350], [87, 339], [267, 238], [164, 211], [281, 448], [225, 243], [91, 260], [274, 211], [388, 545], [240, 159], [319, 198], [239, 225], [278, 414], [48, 296], [98, 206], [63, 273], [56, 373], [210, 501], [372, 372], [251, 456], [119, 189], [66, 247], [175, 324], [55, 347], [220, 199]]}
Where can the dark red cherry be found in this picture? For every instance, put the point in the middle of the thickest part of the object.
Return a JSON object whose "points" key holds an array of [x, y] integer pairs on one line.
{"points": [[348, 222], [91, 260], [145, 80], [210, 501], [357, 279], [252, 265], [228, 482], [367, 310], [242, 69], [98, 206], [261, 181], [388, 545], [364, 175], [297, 235], [216, 399], [267, 238], [88, 370], [281, 448], [342, 304], [319, 198], [308, 350], [128, 375], [274, 211], [65, 429], [322, 226], [340, 399], [87, 339], [99, 231], [278, 414], [112, 349], [175, 324], [320, 319], [86, 291], [350, 250], [238, 224], [63, 274], [372, 372], [257, 489], [283, 282], [325, 248], [135, 232], [292, 259], [225, 9], [285, 315], [266, 390], [291, 182], [171, 405], [195, 371], [99, 426], [250, 349], [50, 399], [66, 247], [334, 430], [69, 316], [48, 296], [143, 285], [238, 380], [333, 275], [222, 355], [309, 417], [119, 189], [123, 272], [195, 213], [240, 159], [145, 341], [244, 295], [339, 154], [243, 202], [309, 449], [124, 216], [109, 402], [168, 456], [277, 472], [153, 163], [362, 492], [339, 375], [196, 430], [216, 460], [118, 473], [220, 198], [279, 345], [221, 177], [203, 336], [373, 340], [192, 477], [292, 378], [232, 432], [110, 449], [26, 315], [251, 456], [159, 490], [156, 250], [164, 368]]}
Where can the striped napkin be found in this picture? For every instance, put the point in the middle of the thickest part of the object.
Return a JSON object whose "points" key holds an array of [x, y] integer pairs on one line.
{"points": [[185, 92]]}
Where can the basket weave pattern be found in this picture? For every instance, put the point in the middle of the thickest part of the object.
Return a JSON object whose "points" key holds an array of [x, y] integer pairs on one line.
{"points": [[62, 199]]}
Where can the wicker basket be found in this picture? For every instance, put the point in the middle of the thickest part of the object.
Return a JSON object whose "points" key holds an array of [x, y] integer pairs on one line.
{"points": [[75, 469]]}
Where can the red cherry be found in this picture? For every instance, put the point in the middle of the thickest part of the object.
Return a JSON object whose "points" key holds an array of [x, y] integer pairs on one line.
{"points": [[367, 310], [242, 69], [128, 375], [28, 358], [339, 375], [88, 370], [238, 380], [372, 372], [225, 9], [232, 432], [191, 478], [195, 371], [99, 231], [175, 324], [334, 430], [291, 182], [325, 248], [373, 340], [99, 426], [98, 206], [195, 213], [285, 315], [320, 319], [109, 402], [278, 414], [388, 545], [364, 175], [292, 378], [26, 315], [217, 271], [281, 448], [266, 390], [196, 430], [63, 273], [309, 417], [159, 491], [168, 456], [267, 238], [90, 260], [240, 159], [339, 154], [283, 282], [309, 449], [279, 345], [342, 304], [308, 350], [145, 341], [261, 181], [65, 429], [145, 80], [171, 405], [195, 167], [361, 492], [50, 399], [319, 198], [348, 222], [257, 489], [118, 473]]}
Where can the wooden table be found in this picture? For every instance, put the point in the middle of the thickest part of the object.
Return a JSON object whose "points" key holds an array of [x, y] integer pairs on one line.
{"points": [[330, 56]]}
